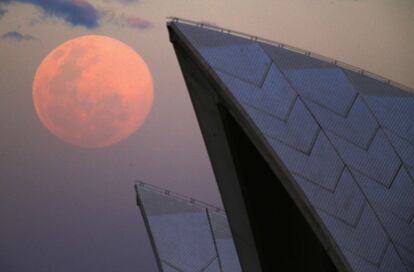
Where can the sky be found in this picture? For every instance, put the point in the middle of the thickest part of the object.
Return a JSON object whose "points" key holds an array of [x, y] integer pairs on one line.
{"points": [[66, 208]]}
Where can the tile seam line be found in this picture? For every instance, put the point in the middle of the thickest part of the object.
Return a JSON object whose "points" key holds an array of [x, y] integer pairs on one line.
{"points": [[388, 235], [383, 129], [402, 165], [353, 225]]}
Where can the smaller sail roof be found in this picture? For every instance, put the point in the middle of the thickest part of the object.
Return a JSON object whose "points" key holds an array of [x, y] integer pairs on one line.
{"points": [[187, 235]]}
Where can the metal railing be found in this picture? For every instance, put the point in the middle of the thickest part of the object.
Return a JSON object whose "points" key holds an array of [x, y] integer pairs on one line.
{"points": [[294, 49], [189, 200]]}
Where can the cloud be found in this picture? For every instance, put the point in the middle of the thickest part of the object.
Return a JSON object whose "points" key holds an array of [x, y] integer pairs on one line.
{"points": [[123, 1], [75, 12], [122, 20], [127, 1], [136, 22], [14, 35], [82, 13], [2, 12]]}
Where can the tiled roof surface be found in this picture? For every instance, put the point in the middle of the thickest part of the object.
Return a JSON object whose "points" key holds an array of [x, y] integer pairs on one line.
{"points": [[187, 235], [346, 139]]}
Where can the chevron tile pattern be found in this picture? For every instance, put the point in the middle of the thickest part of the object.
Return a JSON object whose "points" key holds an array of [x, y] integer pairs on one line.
{"points": [[274, 97], [394, 113], [345, 202], [355, 240], [358, 126], [396, 200], [326, 86], [225, 59], [391, 261], [322, 166], [346, 139], [380, 161], [290, 117], [404, 148]]}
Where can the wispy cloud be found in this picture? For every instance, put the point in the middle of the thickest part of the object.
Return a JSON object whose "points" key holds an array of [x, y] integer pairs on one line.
{"points": [[2, 12], [123, 1], [75, 12], [136, 22], [83, 13], [122, 20], [17, 36]]}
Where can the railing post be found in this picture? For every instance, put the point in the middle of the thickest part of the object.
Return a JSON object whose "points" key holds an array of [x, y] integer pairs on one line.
{"points": [[214, 240]]}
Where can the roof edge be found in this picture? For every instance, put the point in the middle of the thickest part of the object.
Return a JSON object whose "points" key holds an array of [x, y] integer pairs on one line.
{"points": [[296, 50], [188, 200]]}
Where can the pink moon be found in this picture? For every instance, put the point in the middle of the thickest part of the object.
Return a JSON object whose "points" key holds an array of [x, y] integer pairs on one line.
{"points": [[92, 91]]}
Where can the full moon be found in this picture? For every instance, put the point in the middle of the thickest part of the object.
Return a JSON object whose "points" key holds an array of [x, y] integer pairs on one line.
{"points": [[92, 91]]}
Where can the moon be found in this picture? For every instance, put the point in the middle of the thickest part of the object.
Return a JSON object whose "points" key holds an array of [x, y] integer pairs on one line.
{"points": [[92, 91]]}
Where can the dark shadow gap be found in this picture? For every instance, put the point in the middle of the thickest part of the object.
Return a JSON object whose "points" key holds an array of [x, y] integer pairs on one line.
{"points": [[284, 240]]}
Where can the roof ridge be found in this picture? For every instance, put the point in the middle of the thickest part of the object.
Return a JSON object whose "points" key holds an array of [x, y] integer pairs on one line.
{"points": [[297, 50]]}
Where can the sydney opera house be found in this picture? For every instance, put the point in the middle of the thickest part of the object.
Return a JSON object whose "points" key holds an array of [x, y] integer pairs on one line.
{"points": [[314, 160]]}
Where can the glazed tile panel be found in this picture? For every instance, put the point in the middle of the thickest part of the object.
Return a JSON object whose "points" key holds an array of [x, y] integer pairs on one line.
{"points": [[187, 237], [347, 140]]}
